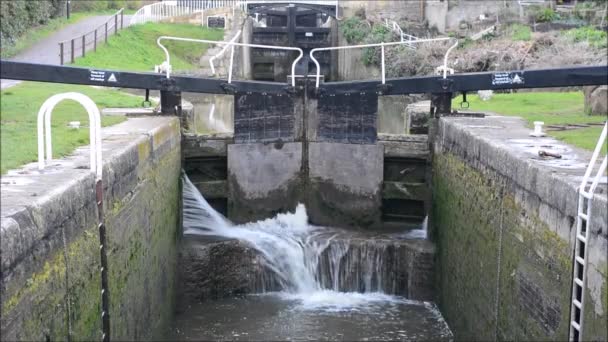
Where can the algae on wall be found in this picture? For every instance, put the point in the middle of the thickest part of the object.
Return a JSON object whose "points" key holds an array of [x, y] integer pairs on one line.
{"points": [[53, 293], [503, 274]]}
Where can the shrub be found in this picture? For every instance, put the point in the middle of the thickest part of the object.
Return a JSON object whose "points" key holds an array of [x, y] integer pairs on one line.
{"points": [[104, 5], [546, 15], [18, 15], [379, 34], [595, 38], [354, 30]]}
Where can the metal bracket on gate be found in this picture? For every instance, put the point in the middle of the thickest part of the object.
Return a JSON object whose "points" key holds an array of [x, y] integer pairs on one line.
{"points": [[446, 84], [464, 104], [229, 88], [384, 89]]}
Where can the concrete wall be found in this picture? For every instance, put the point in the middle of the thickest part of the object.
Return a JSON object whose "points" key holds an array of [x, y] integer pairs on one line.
{"points": [[50, 241], [345, 184], [351, 67], [263, 179], [380, 9], [504, 222]]}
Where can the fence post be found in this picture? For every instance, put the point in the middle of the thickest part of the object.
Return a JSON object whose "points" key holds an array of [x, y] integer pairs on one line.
{"points": [[84, 45], [106, 31], [116, 24], [95, 42], [61, 53], [72, 50], [122, 19]]}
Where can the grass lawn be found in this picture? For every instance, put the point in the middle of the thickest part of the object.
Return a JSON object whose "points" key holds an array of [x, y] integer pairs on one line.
{"points": [[553, 108], [36, 34], [19, 107], [135, 48]]}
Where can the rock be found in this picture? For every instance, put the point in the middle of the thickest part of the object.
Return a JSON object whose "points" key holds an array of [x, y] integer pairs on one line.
{"points": [[217, 269], [596, 100]]}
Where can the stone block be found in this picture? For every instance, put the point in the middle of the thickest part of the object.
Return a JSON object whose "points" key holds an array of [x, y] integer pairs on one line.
{"points": [[596, 100], [263, 179], [345, 184]]}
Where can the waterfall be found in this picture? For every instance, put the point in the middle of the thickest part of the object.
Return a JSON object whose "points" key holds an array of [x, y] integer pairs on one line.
{"points": [[305, 260]]}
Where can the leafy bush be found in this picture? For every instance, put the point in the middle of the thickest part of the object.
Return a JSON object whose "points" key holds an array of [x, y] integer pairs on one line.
{"points": [[103, 5], [379, 34], [18, 15], [546, 15], [520, 32], [595, 38], [354, 30]]}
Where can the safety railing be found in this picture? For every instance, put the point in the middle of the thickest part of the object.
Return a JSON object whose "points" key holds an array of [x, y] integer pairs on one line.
{"points": [[166, 65], [174, 8], [581, 248], [404, 37], [78, 46], [44, 136], [219, 54], [381, 45]]}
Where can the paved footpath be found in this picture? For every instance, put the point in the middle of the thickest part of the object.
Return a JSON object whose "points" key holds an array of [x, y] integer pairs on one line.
{"points": [[46, 51]]}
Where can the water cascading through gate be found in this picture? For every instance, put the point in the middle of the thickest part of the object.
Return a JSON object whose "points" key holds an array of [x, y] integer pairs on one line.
{"points": [[310, 262]]}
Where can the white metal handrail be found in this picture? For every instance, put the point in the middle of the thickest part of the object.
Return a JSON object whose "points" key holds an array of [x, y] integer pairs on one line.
{"points": [[167, 64], [172, 8], [44, 117], [394, 26], [382, 45], [219, 54], [581, 248]]}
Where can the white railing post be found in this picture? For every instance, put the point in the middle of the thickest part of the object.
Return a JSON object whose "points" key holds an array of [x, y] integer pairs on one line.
{"points": [[231, 63], [445, 59], [383, 69]]}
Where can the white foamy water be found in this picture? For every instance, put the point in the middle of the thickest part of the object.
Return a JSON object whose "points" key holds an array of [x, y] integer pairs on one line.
{"points": [[310, 269]]}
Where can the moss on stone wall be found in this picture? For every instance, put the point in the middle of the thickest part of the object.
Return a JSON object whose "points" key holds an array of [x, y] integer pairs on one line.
{"points": [[142, 229], [478, 222], [142, 240]]}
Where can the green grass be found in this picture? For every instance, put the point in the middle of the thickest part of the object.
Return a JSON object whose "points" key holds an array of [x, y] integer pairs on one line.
{"points": [[585, 137], [595, 38], [135, 48], [520, 32], [556, 108], [19, 107], [36, 34]]}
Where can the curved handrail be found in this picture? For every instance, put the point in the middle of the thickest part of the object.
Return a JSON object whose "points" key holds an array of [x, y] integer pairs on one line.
{"points": [[44, 117], [445, 59], [236, 36], [167, 63], [318, 74]]}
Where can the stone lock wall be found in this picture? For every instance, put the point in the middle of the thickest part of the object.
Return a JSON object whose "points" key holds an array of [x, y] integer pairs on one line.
{"points": [[50, 242], [504, 222]]}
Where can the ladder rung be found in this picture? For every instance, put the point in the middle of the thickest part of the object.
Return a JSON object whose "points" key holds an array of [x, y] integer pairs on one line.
{"points": [[586, 194], [578, 282], [580, 260], [575, 325], [583, 216], [581, 238], [577, 304]]}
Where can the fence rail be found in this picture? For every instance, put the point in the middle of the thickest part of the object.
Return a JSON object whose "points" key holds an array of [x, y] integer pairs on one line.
{"points": [[407, 38], [78, 46], [173, 8]]}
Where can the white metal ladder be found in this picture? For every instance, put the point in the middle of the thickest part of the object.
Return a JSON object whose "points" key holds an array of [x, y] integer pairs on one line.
{"points": [[583, 220]]}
